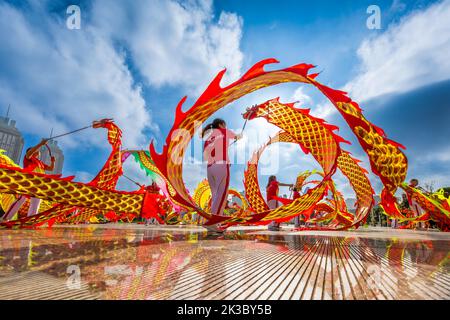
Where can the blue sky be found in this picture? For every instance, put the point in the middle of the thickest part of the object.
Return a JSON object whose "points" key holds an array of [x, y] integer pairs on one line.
{"points": [[134, 61]]}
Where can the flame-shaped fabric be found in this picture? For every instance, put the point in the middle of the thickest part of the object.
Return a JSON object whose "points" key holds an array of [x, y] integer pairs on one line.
{"points": [[340, 218], [312, 134], [6, 200], [386, 159], [73, 197], [433, 206], [106, 178], [202, 197], [170, 162]]}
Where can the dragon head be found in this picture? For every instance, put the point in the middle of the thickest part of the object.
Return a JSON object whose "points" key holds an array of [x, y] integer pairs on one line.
{"points": [[102, 123], [251, 112], [259, 110]]}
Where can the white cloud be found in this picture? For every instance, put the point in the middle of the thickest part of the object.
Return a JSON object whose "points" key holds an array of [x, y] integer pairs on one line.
{"points": [[397, 6], [64, 79], [194, 171], [410, 54], [324, 110], [343, 185], [301, 97], [441, 155], [257, 132], [174, 43], [83, 176]]}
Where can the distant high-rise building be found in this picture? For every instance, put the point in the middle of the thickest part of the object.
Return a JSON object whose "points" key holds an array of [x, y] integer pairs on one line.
{"points": [[11, 139], [56, 152]]}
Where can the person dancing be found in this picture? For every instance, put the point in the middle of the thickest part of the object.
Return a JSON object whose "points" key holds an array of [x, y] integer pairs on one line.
{"points": [[215, 151], [272, 189], [31, 163]]}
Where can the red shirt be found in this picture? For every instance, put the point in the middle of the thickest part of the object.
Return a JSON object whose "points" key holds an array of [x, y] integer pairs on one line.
{"points": [[215, 149], [296, 195], [272, 190], [33, 164]]}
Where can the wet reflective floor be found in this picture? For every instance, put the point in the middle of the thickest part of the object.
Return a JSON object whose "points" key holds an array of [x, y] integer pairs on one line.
{"points": [[129, 261]]}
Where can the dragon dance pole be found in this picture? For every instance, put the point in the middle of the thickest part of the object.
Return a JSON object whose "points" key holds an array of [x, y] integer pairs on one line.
{"points": [[70, 132], [243, 128], [136, 183]]}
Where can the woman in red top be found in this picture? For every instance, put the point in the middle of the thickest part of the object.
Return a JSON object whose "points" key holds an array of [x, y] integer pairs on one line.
{"points": [[31, 163], [272, 189], [215, 151]]}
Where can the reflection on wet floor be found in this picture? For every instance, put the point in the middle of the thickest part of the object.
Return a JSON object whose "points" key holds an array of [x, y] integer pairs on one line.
{"points": [[136, 262]]}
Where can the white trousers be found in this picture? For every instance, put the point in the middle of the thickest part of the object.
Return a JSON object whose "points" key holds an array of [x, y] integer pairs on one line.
{"points": [[219, 180], [273, 204], [15, 207], [418, 211]]}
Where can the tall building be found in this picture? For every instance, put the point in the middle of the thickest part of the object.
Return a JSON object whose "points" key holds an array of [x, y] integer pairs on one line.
{"points": [[56, 152], [11, 139]]}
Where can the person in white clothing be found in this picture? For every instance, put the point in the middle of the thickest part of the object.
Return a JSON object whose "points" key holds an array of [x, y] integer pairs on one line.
{"points": [[215, 151]]}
